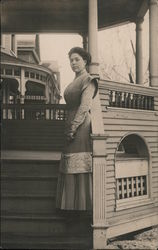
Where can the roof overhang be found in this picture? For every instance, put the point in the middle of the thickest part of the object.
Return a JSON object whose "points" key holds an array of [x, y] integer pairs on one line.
{"points": [[66, 16]]}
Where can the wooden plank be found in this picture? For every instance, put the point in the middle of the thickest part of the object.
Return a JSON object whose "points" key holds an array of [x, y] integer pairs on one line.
{"points": [[111, 180], [135, 128], [128, 116], [132, 225], [110, 197], [131, 212], [120, 133], [131, 168], [31, 155], [144, 123]]}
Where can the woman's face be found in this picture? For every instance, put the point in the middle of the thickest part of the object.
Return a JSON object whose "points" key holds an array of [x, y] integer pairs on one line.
{"points": [[77, 63]]}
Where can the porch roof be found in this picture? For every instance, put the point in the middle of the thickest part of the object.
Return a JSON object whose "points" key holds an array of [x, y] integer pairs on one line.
{"points": [[21, 16]]}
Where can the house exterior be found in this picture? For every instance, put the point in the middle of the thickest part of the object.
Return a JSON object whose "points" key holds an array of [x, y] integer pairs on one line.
{"points": [[23, 77], [124, 136]]}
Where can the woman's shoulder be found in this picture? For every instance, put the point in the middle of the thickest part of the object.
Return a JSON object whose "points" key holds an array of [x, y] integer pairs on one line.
{"points": [[87, 81]]}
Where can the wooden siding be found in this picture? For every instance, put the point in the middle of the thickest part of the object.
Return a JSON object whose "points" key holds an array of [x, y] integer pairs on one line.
{"points": [[119, 122]]}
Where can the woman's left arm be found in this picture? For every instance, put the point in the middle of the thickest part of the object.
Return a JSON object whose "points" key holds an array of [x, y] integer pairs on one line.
{"points": [[85, 106]]}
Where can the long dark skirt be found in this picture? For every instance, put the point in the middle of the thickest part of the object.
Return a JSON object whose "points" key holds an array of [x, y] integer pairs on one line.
{"points": [[74, 191]]}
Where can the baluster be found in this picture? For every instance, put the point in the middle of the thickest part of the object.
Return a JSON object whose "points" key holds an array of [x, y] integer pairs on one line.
{"points": [[113, 103], [152, 103], [137, 101], [120, 99], [58, 114], [54, 113], [142, 102], [121, 94], [110, 98], [126, 100], [116, 99], [49, 113], [129, 100], [134, 101], [123, 100], [145, 102]]}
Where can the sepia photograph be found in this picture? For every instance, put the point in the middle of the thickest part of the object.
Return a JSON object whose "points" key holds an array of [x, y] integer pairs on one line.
{"points": [[79, 124]]}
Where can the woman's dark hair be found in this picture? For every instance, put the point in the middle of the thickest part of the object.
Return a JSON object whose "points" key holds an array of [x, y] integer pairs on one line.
{"points": [[84, 54]]}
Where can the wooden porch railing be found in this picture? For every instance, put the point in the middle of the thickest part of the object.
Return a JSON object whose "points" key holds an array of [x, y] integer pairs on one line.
{"points": [[34, 112], [112, 94], [124, 95], [130, 100]]}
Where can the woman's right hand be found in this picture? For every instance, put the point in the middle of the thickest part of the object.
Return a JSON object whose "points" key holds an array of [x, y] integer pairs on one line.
{"points": [[70, 136]]}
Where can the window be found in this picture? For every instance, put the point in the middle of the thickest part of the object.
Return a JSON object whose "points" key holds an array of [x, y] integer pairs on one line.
{"points": [[32, 75], [8, 72], [131, 173], [2, 71], [26, 74], [17, 72]]}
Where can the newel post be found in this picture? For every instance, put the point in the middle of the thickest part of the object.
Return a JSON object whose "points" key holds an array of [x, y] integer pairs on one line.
{"points": [[99, 178]]}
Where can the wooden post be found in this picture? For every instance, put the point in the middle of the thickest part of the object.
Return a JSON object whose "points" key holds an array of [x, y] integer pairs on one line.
{"points": [[22, 90], [99, 177], [153, 42], [85, 40], [139, 52], [92, 37]]}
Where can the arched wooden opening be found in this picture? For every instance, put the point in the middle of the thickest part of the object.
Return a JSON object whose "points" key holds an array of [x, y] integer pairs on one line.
{"points": [[9, 90], [132, 172], [35, 92]]}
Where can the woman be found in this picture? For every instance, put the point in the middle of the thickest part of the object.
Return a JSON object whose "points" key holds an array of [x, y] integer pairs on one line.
{"points": [[74, 191]]}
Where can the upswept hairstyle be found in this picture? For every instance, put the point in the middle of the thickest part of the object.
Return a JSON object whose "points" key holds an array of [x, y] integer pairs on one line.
{"points": [[84, 54]]}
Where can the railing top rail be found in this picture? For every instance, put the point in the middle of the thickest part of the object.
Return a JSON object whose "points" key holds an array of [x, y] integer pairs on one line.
{"points": [[35, 105], [128, 87]]}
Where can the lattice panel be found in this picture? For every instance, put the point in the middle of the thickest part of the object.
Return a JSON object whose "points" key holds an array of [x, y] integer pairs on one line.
{"points": [[131, 187]]}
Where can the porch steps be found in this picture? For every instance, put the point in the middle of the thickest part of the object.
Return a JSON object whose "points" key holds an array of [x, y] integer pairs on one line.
{"points": [[44, 135], [29, 219]]}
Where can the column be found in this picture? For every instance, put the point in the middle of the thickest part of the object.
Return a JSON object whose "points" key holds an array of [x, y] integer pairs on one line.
{"points": [[92, 37], [153, 42], [3, 84], [22, 90], [22, 85], [139, 52], [85, 41]]}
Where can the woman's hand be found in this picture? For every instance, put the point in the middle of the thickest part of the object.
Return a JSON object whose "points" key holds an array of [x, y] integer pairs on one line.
{"points": [[70, 136]]}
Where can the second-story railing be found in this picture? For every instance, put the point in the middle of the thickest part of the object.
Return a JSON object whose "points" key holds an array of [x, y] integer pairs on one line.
{"points": [[34, 112]]}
